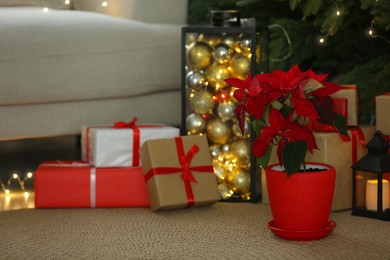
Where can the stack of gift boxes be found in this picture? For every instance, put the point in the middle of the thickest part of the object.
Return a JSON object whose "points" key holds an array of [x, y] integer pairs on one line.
{"points": [[177, 172], [340, 152], [129, 165]]}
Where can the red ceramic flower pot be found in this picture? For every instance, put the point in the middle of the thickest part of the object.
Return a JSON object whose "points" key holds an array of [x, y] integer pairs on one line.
{"points": [[303, 201]]}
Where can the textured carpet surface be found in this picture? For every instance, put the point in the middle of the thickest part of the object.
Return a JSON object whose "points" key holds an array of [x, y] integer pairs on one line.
{"points": [[221, 231]]}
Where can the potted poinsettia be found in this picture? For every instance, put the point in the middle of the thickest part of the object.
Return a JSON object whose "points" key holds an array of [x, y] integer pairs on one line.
{"points": [[282, 106]]}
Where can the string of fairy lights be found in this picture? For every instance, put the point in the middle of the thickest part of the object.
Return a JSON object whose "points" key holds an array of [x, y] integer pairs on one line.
{"points": [[371, 32], [322, 40], [20, 183]]}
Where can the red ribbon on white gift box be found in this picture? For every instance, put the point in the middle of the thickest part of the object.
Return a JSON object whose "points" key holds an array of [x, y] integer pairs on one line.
{"points": [[136, 137]]}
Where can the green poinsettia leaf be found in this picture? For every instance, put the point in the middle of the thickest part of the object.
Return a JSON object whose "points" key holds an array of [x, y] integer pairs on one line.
{"points": [[263, 161], [277, 104], [340, 123], [256, 125], [293, 156], [286, 110]]}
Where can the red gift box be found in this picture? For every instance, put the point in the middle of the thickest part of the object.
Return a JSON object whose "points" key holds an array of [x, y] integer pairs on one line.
{"points": [[75, 184]]}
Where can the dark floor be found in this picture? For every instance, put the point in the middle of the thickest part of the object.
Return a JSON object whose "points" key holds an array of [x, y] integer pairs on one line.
{"points": [[23, 156]]}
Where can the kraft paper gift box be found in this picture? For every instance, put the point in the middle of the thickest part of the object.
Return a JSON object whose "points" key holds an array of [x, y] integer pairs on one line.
{"points": [[108, 146], [340, 154], [350, 93], [382, 106], [179, 172], [76, 184]]}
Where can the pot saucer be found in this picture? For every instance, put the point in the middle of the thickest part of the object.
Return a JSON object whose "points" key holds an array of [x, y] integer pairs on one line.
{"points": [[302, 235]]}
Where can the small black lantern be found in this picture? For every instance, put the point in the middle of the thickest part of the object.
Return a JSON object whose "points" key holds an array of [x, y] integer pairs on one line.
{"points": [[229, 47], [371, 181]]}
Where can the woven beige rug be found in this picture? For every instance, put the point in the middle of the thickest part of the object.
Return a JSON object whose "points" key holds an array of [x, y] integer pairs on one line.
{"points": [[222, 231]]}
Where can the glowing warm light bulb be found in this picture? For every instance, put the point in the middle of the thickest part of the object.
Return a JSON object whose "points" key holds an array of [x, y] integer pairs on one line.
{"points": [[15, 176], [7, 191], [104, 4], [29, 175], [322, 40], [45, 10], [67, 2], [338, 13], [26, 194], [370, 32]]}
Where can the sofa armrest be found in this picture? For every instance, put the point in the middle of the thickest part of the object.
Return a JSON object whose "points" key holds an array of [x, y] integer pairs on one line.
{"points": [[149, 11]]}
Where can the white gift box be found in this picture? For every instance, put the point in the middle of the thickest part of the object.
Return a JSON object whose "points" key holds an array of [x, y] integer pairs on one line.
{"points": [[106, 146]]}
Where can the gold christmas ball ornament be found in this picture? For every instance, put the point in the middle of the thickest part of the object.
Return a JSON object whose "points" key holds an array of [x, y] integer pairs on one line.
{"points": [[244, 44], [195, 124], [191, 38], [239, 66], [215, 75], [229, 41], [222, 53], [240, 150], [196, 80], [220, 172], [226, 110], [215, 150], [224, 191], [227, 156], [218, 132], [239, 180], [210, 39], [201, 102], [237, 131], [225, 147], [199, 55]]}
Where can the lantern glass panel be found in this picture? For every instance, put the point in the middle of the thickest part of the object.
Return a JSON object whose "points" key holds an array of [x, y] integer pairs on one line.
{"points": [[209, 56], [367, 191]]}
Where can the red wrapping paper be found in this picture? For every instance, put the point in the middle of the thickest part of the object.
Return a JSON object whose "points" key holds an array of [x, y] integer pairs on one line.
{"points": [[68, 185]]}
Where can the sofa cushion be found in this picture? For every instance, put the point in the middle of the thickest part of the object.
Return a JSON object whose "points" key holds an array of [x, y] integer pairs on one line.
{"points": [[74, 55], [56, 4]]}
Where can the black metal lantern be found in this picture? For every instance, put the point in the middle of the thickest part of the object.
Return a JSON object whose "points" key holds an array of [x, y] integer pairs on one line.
{"points": [[228, 48], [371, 181]]}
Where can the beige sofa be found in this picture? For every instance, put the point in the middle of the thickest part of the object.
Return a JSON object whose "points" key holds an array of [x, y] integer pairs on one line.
{"points": [[83, 63]]}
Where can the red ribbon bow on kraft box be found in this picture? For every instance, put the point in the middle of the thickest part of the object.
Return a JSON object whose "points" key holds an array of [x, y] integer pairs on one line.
{"points": [[176, 179]]}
